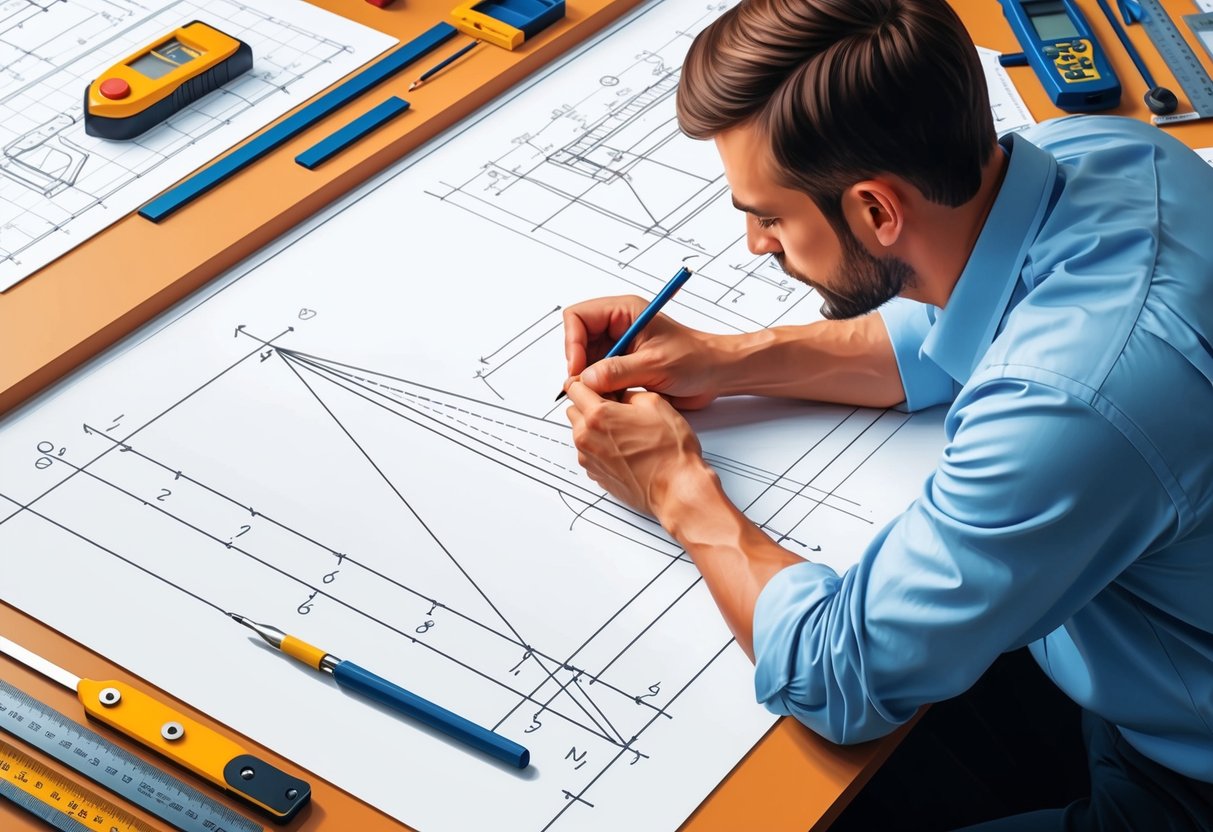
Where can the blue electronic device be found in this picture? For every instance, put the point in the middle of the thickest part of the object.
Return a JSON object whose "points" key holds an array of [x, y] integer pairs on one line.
{"points": [[1059, 45]]}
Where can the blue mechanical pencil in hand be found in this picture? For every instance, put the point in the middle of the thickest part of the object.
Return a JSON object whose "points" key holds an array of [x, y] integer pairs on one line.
{"points": [[649, 313], [352, 677]]}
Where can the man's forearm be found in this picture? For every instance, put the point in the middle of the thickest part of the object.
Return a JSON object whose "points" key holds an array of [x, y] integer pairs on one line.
{"points": [[848, 362], [735, 557]]}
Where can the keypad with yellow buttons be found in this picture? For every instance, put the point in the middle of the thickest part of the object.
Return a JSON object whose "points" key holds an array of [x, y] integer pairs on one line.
{"points": [[1072, 60]]}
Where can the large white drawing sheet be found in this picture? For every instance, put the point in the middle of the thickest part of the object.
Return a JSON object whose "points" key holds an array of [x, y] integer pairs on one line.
{"points": [[353, 438], [58, 185]]}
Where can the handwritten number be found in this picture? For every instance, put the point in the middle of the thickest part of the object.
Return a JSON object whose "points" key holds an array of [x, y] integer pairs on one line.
{"points": [[576, 758], [306, 606], [654, 689], [525, 656]]}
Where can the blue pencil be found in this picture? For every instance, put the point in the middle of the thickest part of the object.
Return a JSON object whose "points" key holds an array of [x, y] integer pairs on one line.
{"points": [[445, 62], [650, 312], [350, 676]]}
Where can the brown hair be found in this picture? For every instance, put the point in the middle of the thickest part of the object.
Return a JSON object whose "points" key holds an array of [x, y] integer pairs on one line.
{"points": [[845, 90]]}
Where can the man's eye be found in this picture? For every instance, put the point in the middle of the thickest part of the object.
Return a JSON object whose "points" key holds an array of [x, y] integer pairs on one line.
{"points": [[767, 223]]}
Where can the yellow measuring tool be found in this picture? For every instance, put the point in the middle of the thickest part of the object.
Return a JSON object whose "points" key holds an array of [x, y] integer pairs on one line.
{"points": [[145, 88], [159, 727], [58, 800]]}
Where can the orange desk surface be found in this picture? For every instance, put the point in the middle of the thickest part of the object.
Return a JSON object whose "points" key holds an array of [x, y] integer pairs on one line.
{"points": [[112, 283]]}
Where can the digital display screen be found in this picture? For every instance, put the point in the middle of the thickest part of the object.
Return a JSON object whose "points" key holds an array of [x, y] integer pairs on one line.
{"points": [[1050, 20], [163, 59]]}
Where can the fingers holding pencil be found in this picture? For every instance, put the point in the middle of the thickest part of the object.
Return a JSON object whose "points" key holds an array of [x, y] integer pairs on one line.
{"points": [[646, 315]]}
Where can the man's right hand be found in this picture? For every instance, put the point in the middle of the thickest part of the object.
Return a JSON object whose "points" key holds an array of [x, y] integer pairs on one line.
{"points": [[668, 358]]}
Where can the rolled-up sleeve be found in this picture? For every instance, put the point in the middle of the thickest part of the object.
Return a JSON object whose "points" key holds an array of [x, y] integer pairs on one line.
{"points": [[924, 383], [1012, 534]]}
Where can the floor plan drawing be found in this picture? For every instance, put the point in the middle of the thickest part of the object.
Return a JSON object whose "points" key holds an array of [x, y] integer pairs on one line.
{"points": [[58, 185], [351, 436], [612, 181]]}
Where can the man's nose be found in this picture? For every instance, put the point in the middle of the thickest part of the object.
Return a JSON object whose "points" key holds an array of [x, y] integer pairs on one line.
{"points": [[760, 240]]}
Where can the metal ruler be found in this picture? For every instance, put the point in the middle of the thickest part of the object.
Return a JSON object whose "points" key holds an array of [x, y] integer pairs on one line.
{"points": [[1182, 61], [57, 800], [98, 759], [1202, 26]]}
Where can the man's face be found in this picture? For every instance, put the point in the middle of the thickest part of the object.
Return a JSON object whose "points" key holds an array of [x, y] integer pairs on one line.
{"points": [[787, 224]]}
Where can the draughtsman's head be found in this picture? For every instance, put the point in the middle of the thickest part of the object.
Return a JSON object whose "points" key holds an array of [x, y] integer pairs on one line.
{"points": [[825, 112]]}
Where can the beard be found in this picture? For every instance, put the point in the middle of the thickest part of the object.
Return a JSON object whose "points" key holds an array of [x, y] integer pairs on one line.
{"points": [[869, 281]]}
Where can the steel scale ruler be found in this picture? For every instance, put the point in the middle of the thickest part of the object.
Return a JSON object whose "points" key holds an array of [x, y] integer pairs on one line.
{"points": [[61, 802], [110, 766], [1202, 26], [1184, 64]]}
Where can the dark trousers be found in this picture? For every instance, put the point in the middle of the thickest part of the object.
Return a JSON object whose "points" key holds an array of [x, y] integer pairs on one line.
{"points": [[1014, 754]]}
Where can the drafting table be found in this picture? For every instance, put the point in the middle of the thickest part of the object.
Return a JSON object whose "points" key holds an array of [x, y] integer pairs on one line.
{"points": [[99, 292]]}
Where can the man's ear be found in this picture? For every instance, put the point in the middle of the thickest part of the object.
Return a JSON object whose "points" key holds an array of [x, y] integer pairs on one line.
{"points": [[875, 210]]}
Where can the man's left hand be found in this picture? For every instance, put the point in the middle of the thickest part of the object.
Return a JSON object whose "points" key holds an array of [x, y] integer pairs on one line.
{"points": [[639, 448]]}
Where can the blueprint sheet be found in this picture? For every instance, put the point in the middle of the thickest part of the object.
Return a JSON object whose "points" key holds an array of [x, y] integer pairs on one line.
{"points": [[59, 186], [1011, 113], [351, 436]]}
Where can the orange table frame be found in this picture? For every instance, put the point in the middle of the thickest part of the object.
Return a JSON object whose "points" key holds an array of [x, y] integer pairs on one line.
{"points": [[109, 285]]}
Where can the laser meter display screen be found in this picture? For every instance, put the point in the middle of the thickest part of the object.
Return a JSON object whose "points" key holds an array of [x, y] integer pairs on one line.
{"points": [[1050, 20], [163, 59]]}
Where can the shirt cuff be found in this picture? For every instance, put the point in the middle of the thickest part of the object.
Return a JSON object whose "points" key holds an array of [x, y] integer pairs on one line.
{"points": [[780, 613], [908, 323]]}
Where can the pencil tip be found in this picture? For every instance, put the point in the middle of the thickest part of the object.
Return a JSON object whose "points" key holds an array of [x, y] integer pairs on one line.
{"points": [[561, 396], [414, 85], [238, 618]]}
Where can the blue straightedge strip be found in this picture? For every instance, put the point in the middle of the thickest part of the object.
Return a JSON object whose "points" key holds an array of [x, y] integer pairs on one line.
{"points": [[368, 122], [242, 157]]}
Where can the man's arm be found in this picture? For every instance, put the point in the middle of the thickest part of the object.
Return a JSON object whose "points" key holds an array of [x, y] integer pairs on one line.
{"points": [[643, 452], [851, 362], [847, 362], [1037, 505]]}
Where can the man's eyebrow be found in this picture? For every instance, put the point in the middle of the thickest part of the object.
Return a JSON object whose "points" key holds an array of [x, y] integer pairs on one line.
{"points": [[750, 209]]}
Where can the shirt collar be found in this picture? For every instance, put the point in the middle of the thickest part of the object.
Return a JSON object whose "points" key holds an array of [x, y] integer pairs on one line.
{"points": [[966, 327]]}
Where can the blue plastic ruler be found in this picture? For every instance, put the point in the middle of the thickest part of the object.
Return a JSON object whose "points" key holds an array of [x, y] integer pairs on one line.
{"points": [[98, 759], [1184, 64]]}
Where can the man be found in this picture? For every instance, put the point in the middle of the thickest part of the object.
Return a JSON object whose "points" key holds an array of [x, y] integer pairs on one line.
{"points": [[1055, 287]]}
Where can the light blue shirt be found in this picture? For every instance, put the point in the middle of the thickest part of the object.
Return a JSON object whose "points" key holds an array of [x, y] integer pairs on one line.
{"points": [[1072, 507]]}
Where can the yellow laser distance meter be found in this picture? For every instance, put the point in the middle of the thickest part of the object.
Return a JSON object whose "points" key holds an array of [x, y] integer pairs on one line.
{"points": [[147, 87]]}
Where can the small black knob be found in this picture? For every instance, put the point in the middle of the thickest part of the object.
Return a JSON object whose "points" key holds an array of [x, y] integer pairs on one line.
{"points": [[1161, 101]]}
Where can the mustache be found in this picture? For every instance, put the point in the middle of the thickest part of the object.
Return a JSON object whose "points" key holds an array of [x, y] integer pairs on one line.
{"points": [[782, 260]]}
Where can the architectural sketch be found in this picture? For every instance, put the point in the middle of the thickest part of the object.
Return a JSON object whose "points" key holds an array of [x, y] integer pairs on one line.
{"points": [[58, 185], [610, 180], [582, 666], [351, 437]]}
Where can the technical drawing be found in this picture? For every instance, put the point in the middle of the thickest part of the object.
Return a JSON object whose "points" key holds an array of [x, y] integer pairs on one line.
{"points": [[1010, 112], [626, 192], [348, 437], [612, 182], [577, 663], [42, 159], [59, 185]]}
